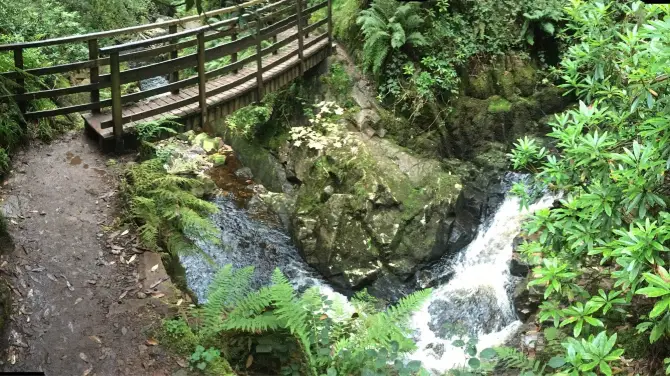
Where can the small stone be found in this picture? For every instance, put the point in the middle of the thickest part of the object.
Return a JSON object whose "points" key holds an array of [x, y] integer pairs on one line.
{"points": [[124, 331], [141, 295], [381, 132], [244, 173], [142, 348]]}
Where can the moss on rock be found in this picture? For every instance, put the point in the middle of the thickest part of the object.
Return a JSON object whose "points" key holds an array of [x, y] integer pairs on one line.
{"points": [[481, 86], [380, 192], [498, 105]]}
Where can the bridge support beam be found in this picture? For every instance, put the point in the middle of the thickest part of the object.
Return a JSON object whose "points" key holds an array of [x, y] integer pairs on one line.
{"points": [[117, 114], [301, 54], [259, 61], [20, 82], [202, 82]]}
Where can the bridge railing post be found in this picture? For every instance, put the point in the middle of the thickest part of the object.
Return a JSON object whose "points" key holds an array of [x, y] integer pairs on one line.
{"points": [[117, 115], [94, 72], [233, 56], [202, 81], [301, 56], [259, 60], [174, 76], [330, 25], [20, 82]]}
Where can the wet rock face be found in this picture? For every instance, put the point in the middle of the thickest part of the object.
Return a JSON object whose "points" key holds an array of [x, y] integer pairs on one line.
{"points": [[371, 214], [501, 103], [484, 315]]}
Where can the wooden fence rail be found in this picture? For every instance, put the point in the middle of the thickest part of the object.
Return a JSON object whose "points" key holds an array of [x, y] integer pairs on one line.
{"points": [[182, 56]]}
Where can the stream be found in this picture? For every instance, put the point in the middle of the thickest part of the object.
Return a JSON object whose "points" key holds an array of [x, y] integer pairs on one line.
{"points": [[476, 296]]}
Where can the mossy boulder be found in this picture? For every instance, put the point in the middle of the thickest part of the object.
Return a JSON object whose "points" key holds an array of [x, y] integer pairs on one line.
{"points": [[369, 208], [481, 85], [262, 162]]}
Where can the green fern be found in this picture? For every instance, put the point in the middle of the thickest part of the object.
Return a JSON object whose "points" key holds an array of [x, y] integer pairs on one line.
{"points": [[327, 339], [511, 358], [151, 130], [166, 210], [387, 25]]}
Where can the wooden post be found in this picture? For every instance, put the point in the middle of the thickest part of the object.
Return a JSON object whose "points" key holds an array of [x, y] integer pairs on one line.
{"points": [[274, 41], [330, 25], [94, 72], [174, 77], [202, 81], [259, 61], [117, 115], [301, 56], [20, 82], [233, 56]]}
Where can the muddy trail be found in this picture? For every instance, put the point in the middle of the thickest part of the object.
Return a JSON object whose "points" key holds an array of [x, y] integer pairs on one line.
{"points": [[85, 299]]}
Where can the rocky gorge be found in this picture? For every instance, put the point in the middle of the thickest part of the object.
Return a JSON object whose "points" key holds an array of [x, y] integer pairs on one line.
{"points": [[373, 210]]}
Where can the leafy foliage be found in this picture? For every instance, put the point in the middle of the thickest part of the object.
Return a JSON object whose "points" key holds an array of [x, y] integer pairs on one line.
{"points": [[201, 357], [245, 120], [387, 26], [323, 131], [152, 130], [168, 212], [540, 16], [330, 339], [602, 255]]}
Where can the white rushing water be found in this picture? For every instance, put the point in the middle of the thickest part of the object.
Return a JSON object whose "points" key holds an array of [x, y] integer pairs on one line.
{"points": [[478, 294]]}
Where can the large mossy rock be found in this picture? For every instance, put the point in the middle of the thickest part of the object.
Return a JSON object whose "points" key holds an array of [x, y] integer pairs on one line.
{"points": [[500, 103], [370, 208]]}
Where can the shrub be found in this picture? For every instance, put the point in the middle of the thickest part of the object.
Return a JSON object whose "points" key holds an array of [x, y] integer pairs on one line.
{"points": [[603, 252]]}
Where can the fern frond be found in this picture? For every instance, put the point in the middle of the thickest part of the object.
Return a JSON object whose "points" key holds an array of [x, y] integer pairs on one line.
{"points": [[511, 358], [406, 306], [417, 39], [398, 37]]}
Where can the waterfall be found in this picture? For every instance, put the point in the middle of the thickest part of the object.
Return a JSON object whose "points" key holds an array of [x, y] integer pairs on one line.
{"points": [[477, 292], [248, 241], [478, 295]]}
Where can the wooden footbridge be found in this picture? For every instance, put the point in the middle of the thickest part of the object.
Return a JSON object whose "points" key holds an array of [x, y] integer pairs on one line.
{"points": [[231, 58]]}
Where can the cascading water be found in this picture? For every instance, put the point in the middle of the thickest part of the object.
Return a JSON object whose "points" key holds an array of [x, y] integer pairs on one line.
{"points": [[248, 241], [477, 296]]}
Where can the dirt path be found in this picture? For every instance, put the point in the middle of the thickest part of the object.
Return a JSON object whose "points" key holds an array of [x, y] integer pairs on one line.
{"points": [[77, 308]]}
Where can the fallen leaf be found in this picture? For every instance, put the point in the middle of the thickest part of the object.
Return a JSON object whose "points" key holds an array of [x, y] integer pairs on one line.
{"points": [[78, 301], [131, 259], [154, 268], [87, 372], [124, 233], [152, 342], [180, 301], [182, 363], [157, 295], [83, 357], [96, 339], [323, 317], [250, 361], [51, 277], [123, 295]]}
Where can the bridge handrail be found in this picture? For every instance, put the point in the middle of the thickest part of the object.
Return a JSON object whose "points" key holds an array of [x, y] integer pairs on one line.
{"points": [[183, 34], [127, 30], [266, 24]]}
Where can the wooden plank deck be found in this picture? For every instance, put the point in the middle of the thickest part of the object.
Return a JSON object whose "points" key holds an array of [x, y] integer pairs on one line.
{"points": [[94, 121]]}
